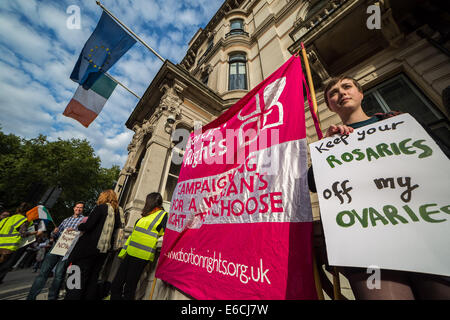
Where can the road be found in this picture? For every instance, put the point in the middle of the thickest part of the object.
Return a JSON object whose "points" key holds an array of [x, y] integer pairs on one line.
{"points": [[17, 284]]}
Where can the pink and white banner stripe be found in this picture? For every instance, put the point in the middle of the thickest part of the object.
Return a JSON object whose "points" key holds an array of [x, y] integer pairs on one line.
{"points": [[240, 223]]}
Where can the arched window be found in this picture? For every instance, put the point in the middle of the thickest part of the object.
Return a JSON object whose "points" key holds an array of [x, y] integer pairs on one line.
{"points": [[238, 71], [236, 26]]}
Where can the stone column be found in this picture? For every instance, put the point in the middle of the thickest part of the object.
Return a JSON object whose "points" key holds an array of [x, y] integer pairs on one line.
{"points": [[151, 172], [128, 168]]}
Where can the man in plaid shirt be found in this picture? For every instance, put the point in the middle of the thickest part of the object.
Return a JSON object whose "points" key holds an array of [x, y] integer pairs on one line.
{"points": [[70, 223], [52, 260]]}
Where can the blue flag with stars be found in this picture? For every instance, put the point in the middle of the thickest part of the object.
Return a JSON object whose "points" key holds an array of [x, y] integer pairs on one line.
{"points": [[104, 47]]}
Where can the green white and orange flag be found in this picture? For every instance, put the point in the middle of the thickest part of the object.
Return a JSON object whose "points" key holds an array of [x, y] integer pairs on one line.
{"points": [[87, 104], [39, 212]]}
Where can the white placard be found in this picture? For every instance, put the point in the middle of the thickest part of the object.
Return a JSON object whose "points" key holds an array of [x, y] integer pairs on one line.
{"points": [[384, 196], [64, 242], [28, 240]]}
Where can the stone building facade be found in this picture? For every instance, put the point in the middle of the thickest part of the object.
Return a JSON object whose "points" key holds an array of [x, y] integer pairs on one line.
{"points": [[398, 51]]}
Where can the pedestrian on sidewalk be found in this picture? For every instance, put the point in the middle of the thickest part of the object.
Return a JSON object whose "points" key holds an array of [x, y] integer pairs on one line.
{"points": [[55, 261]]}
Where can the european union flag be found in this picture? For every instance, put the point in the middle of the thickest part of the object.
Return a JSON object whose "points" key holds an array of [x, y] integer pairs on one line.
{"points": [[104, 47]]}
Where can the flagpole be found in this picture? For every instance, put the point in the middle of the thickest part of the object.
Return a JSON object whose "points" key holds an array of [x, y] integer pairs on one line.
{"points": [[122, 85], [128, 29], [310, 82], [336, 282], [153, 289]]}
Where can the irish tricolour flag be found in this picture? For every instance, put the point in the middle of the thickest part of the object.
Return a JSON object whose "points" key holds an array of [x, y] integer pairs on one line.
{"points": [[87, 104], [39, 212]]}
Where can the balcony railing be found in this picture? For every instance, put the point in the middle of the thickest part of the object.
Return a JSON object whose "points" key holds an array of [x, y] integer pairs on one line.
{"points": [[236, 32]]}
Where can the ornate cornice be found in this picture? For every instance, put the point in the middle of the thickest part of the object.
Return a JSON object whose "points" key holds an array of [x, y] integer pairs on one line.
{"points": [[184, 84]]}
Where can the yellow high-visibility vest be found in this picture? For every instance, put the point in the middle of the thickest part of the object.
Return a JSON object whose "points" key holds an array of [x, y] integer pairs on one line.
{"points": [[9, 232], [142, 241]]}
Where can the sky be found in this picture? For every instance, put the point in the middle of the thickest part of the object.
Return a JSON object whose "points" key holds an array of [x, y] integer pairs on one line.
{"points": [[38, 52]]}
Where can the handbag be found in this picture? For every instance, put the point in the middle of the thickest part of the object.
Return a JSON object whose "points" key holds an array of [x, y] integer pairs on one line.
{"points": [[119, 233]]}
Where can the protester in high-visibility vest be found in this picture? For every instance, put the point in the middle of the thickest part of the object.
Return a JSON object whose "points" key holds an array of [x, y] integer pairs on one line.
{"points": [[140, 248], [12, 230]]}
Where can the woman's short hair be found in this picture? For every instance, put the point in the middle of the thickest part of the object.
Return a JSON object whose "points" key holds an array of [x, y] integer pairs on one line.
{"points": [[108, 196], [335, 80], [152, 201]]}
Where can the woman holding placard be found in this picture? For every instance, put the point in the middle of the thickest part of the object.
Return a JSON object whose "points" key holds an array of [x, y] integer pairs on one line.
{"points": [[343, 95]]}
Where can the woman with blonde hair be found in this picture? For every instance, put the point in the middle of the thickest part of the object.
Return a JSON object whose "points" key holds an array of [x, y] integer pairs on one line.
{"points": [[96, 240]]}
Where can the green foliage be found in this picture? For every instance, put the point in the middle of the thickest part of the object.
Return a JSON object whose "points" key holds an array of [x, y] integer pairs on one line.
{"points": [[71, 164]]}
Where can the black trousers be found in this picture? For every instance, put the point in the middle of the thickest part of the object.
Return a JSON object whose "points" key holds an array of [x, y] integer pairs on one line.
{"points": [[125, 282], [7, 265], [90, 269]]}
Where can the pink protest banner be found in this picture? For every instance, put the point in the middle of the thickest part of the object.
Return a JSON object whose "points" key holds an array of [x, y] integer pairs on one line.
{"points": [[240, 222]]}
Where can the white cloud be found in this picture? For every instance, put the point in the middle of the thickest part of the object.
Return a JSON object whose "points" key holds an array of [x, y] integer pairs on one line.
{"points": [[26, 6], [23, 40], [55, 20]]}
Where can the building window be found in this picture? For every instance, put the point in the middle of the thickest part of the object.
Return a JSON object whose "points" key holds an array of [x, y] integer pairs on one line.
{"points": [[238, 72], [175, 163], [399, 94], [172, 179], [210, 44], [208, 49], [205, 78], [236, 26]]}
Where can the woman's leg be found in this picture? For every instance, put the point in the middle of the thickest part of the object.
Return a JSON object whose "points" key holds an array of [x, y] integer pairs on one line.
{"points": [[431, 287], [119, 280], [394, 285], [85, 266], [136, 266], [92, 292]]}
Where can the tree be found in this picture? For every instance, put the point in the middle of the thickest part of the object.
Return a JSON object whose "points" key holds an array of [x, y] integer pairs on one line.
{"points": [[29, 167]]}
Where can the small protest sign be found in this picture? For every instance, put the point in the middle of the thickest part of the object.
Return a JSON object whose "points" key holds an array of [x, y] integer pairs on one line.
{"points": [[384, 197], [30, 239], [64, 242]]}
